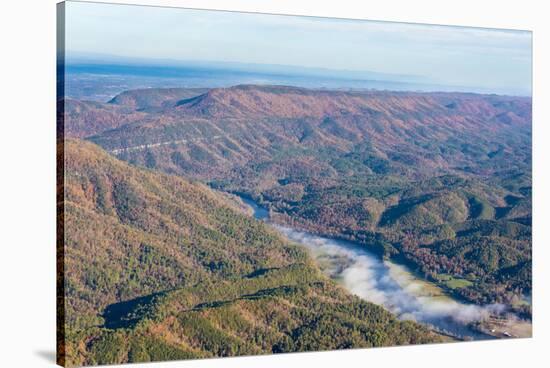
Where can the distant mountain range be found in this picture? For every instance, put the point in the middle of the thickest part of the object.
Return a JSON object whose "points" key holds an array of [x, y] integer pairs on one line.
{"points": [[441, 181]]}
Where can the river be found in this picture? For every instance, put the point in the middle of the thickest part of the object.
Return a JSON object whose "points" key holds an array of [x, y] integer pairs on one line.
{"points": [[396, 288]]}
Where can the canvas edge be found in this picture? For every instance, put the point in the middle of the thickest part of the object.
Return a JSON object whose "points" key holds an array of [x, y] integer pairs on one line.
{"points": [[60, 179]]}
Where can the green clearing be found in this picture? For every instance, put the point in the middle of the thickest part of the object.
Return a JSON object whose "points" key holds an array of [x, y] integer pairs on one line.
{"points": [[452, 282]]}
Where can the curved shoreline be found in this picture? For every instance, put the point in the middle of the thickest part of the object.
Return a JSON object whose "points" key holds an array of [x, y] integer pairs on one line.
{"points": [[393, 286]]}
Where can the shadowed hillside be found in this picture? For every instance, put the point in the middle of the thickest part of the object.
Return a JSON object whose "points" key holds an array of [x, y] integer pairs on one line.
{"points": [[157, 268], [84, 118], [441, 181], [150, 98]]}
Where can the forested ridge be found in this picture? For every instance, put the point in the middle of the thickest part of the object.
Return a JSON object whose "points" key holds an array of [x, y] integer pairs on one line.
{"points": [[441, 181], [158, 267]]}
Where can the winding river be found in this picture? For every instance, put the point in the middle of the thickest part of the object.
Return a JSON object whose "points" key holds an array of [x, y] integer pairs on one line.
{"points": [[399, 290]]}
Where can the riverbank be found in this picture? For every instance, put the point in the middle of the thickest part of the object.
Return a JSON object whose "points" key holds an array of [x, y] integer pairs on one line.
{"points": [[398, 289]]}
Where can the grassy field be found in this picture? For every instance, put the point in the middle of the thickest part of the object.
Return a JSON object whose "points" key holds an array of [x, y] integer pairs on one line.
{"points": [[453, 282]]}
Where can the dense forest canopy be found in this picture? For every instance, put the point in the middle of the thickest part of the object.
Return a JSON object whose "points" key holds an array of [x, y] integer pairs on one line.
{"points": [[161, 264], [157, 268], [440, 180]]}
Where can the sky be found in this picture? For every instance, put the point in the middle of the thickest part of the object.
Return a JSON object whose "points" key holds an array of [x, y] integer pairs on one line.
{"points": [[493, 59]]}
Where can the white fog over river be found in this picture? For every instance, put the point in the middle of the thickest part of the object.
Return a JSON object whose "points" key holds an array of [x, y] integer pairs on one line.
{"points": [[392, 285]]}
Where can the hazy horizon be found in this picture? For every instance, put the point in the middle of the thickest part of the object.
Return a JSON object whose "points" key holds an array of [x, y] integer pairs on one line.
{"points": [[471, 59]]}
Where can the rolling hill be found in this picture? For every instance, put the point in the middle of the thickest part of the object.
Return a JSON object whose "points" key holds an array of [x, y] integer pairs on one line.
{"points": [[441, 181], [158, 267]]}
